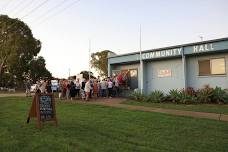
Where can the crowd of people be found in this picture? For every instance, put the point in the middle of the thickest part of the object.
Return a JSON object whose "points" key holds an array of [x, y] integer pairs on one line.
{"points": [[79, 89], [87, 89]]}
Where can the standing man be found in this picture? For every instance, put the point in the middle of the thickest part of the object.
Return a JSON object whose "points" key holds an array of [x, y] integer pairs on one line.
{"points": [[77, 88], [103, 86], [28, 88], [110, 85]]}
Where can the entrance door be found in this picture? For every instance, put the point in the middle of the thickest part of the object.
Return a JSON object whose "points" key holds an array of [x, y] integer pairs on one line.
{"points": [[133, 78]]}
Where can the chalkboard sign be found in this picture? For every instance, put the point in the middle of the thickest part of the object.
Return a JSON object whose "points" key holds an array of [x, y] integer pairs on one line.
{"points": [[46, 110], [43, 107]]}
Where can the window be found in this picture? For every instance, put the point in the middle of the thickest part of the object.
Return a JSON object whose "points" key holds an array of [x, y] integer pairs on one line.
{"points": [[204, 67], [212, 67], [218, 66]]}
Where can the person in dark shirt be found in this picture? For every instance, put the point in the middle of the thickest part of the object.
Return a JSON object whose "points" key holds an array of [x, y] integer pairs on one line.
{"points": [[49, 86], [83, 85], [72, 90]]}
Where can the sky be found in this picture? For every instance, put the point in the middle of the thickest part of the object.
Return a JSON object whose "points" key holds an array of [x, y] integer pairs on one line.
{"points": [[65, 27]]}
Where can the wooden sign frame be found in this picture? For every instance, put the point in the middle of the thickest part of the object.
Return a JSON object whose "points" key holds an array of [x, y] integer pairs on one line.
{"points": [[35, 110]]}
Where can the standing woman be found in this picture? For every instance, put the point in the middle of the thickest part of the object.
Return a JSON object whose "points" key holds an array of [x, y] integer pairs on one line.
{"points": [[87, 89], [72, 90], [95, 89], [68, 91], [43, 86]]}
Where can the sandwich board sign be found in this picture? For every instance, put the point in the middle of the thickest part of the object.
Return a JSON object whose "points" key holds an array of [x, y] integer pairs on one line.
{"points": [[43, 109]]}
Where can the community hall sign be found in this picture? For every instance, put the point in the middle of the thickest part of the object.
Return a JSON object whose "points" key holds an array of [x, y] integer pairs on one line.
{"points": [[176, 51]]}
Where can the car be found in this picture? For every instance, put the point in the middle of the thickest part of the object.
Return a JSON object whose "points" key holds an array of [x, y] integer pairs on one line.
{"points": [[33, 88], [54, 85]]}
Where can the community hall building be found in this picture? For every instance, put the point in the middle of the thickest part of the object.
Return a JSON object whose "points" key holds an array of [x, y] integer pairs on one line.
{"points": [[175, 67]]}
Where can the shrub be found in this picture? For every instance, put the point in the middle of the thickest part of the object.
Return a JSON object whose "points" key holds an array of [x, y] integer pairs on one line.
{"points": [[186, 98], [174, 95], [137, 95], [219, 95], [189, 91], [205, 94], [156, 96], [226, 101]]}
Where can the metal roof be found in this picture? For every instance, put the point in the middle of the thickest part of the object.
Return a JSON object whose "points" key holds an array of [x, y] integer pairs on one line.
{"points": [[174, 46]]}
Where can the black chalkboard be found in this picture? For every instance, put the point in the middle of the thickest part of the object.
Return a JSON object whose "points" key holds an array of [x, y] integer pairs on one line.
{"points": [[43, 108], [46, 108]]}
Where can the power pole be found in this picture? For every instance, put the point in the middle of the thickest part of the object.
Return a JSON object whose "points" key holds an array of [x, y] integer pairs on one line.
{"points": [[89, 56], [141, 62]]}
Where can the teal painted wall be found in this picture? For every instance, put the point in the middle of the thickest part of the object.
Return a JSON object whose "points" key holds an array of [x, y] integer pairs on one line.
{"points": [[193, 49], [196, 81], [123, 59], [198, 51], [154, 82]]}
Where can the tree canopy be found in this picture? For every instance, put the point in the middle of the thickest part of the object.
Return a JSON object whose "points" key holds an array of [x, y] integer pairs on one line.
{"points": [[99, 61], [18, 47], [38, 69], [86, 74]]}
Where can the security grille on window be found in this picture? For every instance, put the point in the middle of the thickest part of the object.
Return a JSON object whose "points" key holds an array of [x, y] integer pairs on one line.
{"points": [[212, 67]]}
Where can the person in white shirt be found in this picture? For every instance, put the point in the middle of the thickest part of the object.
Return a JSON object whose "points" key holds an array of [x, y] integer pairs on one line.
{"points": [[87, 89], [43, 86], [110, 85], [116, 85], [103, 87]]}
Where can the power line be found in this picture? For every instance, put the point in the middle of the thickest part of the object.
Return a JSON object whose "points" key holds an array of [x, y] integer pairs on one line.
{"points": [[7, 4], [24, 7], [16, 5], [34, 9], [31, 11], [59, 12], [53, 8], [62, 10]]}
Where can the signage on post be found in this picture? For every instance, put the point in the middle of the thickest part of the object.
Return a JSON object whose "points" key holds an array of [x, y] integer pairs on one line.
{"points": [[43, 108]]}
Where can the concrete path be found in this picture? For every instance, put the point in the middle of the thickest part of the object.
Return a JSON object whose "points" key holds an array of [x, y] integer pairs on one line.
{"points": [[116, 102], [12, 94]]}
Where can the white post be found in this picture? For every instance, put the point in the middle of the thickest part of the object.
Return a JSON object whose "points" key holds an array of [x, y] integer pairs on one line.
{"points": [[184, 68], [141, 63], [89, 56], [69, 73]]}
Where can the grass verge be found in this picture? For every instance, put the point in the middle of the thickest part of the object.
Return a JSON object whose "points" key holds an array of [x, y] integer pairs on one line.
{"points": [[84, 127]]}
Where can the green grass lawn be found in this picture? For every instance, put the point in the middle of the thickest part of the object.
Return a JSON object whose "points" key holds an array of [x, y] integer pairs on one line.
{"points": [[212, 108], [89, 128]]}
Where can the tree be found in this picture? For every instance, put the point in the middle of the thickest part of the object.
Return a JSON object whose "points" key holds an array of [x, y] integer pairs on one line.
{"points": [[99, 61], [86, 74], [17, 46], [38, 69], [7, 80]]}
